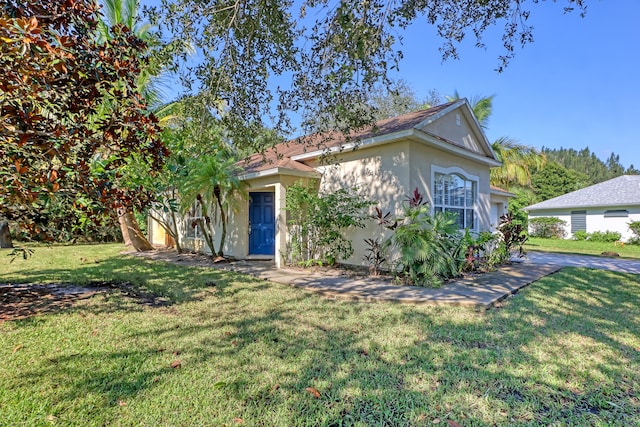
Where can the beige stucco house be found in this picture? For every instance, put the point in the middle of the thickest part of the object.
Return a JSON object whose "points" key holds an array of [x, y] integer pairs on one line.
{"points": [[442, 151]]}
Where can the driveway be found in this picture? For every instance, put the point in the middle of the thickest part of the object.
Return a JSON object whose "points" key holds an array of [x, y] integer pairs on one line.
{"points": [[569, 260]]}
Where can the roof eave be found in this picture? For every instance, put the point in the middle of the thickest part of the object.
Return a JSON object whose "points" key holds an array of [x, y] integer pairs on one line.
{"points": [[452, 148], [600, 205], [279, 171], [502, 193], [367, 142]]}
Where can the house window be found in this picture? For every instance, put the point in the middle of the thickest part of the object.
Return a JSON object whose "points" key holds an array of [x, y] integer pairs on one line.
{"points": [[456, 194], [616, 213], [192, 222], [578, 221]]}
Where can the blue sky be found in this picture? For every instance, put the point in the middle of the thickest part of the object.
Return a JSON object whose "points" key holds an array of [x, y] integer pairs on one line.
{"points": [[577, 85]]}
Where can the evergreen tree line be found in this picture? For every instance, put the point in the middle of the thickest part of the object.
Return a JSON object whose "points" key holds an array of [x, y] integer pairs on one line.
{"points": [[566, 170]]}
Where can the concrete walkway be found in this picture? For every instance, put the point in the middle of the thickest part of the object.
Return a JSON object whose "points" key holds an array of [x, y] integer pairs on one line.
{"points": [[621, 265], [476, 290]]}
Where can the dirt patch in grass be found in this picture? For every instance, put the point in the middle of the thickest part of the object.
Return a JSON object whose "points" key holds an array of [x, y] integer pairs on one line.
{"points": [[20, 301]]}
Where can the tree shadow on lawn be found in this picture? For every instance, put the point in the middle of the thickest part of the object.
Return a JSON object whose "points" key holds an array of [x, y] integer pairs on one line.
{"points": [[293, 358], [148, 283]]}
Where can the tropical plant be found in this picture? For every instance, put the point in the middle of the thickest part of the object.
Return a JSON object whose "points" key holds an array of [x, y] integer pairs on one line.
{"points": [[512, 234], [377, 248], [429, 247], [213, 182], [478, 250], [518, 163], [317, 222]]}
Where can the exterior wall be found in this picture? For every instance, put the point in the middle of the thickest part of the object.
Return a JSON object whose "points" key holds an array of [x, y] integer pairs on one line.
{"points": [[596, 220], [499, 207], [387, 174], [381, 174], [461, 133], [426, 161]]}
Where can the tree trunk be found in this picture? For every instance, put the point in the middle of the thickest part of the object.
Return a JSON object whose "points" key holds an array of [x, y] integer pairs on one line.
{"points": [[176, 237], [131, 231], [123, 227], [223, 220], [5, 235]]}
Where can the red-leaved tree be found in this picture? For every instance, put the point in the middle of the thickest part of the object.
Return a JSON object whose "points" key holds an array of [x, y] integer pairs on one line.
{"points": [[71, 119]]}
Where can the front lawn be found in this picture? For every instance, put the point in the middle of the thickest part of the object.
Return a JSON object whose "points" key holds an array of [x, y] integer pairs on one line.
{"points": [[565, 350], [581, 247]]}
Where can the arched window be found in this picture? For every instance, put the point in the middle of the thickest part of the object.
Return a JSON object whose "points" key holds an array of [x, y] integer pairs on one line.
{"points": [[456, 194]]}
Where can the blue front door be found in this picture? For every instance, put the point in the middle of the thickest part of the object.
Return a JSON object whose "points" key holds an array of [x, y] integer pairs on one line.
{"points": [[262, 230]]}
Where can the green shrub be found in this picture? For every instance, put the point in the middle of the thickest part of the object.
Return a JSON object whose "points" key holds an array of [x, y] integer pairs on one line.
{"points": [[604, 236], [633, 241], [547, 227], [317, 223], [634, 226], [580, 235], [429, 247]]}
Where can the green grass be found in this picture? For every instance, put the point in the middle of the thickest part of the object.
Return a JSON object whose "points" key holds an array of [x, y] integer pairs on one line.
{"points": [[564, 351], [581, 247]]}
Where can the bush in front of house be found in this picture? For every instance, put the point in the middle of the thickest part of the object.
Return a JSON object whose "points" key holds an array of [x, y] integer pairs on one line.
{"points": [[547, 227], [580, 235], [317, 224], [604, 236], [634, 226], [428, 248]]}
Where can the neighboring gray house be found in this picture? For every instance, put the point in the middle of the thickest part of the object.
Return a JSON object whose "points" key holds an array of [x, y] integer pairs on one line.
{"points": [[609, 205]]}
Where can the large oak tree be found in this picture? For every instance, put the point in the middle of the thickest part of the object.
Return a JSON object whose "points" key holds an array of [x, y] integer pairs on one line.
{"points": [[319, 59]]}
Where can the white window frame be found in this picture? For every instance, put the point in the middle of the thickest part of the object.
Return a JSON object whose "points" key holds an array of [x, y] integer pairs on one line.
{"points": [[442, 205]]}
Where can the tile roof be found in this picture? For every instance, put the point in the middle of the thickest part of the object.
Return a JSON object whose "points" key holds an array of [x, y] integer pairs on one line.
{"points": [[496, 189], [621, 191], [280, 155]]}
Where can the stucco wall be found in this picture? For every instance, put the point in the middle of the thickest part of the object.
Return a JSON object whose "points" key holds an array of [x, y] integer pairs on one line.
{"points": [[387, 174], [461, 133], [425, 161], [499, 207], [381, 174]]}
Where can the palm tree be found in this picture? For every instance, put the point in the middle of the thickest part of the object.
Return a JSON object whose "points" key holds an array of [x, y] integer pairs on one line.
{"points": [[126, 12], [482, 107], [518, 162], [213, 183]]}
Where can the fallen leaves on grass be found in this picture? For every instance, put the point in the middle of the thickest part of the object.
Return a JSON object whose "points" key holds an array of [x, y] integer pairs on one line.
{"points": [[313, 392], [16, 348], [176, 364]]}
